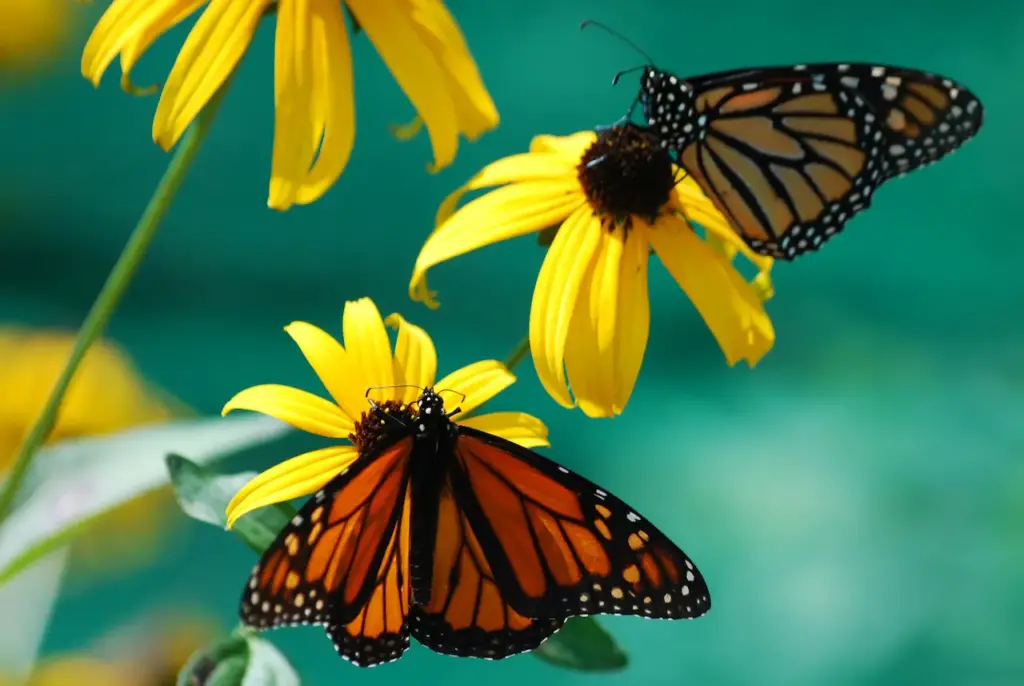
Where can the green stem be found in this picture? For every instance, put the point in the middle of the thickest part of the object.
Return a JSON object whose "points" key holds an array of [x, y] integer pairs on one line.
{"points": [[517, 355], [110, 295]]}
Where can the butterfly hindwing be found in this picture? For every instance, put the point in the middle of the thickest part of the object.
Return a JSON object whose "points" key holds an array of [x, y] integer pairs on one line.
{"points": [[560, 546], [465, 612], [790, 154], [344, 548]]}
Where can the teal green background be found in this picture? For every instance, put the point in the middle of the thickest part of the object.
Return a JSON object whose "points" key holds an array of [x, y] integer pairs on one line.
{"points": [[856, 503]]}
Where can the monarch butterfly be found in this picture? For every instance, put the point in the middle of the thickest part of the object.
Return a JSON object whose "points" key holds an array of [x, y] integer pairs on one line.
{"points": [[789, 154], [468, 542]]}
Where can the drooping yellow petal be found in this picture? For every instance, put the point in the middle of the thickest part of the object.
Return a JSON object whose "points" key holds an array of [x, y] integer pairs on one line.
{"points": [[146, 34], [123, 23], [555, 298], [389, 26], [336, 100], [295, 131], [507, 212], [609, 330], [474, 108], [415, 358], [314, 110], [518, 427], [479, 382], [294, 478], [209, 55], [633, 324], [369, 350], [302, 410], [729, 305], [569, 147], [330, 362]]}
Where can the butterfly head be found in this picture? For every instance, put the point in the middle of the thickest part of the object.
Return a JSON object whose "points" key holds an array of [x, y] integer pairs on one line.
{"points": [[664, 96], [431, 408]]}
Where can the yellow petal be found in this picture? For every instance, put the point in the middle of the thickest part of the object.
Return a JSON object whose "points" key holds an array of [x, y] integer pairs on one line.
{"points": [[415, 358], [518, 427], [569, 147], [210, 53], [555, 298], [479, 382], [523, 167], [330, 362], [315, 112], [369, 351], [474, 108], [633, 324], [504, 213], [609, 330], [302, 410], [729, 305], [133, 49], [388, 24], [293, 478]]}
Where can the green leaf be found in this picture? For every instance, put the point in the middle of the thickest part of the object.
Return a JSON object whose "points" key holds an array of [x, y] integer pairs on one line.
{"points": [[267, 666], [222, 664], [584, 645], [204, 495], [72, 483]]}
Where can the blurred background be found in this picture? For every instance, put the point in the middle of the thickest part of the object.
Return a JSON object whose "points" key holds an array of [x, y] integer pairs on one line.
{"points": [[856, 503]]}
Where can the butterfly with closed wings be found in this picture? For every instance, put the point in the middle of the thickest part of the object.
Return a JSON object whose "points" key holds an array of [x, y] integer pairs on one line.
{"points": [[790, 153], [470, 543]]}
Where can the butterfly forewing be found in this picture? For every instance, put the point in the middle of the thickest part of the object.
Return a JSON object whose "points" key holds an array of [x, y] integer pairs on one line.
{"points": [[560, 546], [790, 154], [342, 558]]}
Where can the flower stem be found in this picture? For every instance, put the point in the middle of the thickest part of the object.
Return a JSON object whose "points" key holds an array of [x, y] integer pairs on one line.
{"points": [[517, 355], [110, 295]]}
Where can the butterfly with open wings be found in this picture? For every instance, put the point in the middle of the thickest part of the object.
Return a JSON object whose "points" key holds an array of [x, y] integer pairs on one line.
{"points": [[470, 543]]}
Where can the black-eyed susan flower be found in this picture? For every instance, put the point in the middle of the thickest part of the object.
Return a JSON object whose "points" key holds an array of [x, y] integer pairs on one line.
{"points": [[365, 361], [616, 198], [314, 126]]}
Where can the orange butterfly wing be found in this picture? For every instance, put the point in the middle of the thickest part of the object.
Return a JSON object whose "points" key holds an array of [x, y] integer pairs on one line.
{"points": [[555, 544], [343, 561], [790, 154], [465, 613]]}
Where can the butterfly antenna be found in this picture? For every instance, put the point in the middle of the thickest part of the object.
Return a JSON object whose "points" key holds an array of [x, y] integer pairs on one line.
{"points": [[382, 388], [609, 30]]}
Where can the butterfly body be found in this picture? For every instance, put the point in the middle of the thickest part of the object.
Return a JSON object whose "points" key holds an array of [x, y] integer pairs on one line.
{"points": [[789, 154], [468, 542]]}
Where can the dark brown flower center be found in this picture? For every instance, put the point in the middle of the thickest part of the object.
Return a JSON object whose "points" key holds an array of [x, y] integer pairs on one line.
{"points": [[371, 427], [626, 173]]}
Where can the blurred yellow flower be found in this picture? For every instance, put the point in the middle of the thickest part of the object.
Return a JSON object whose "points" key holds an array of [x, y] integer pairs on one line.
{"points": [[32, 32], [314, 127], [106, 395], [615, 197], [365, 361], [132, 655]]}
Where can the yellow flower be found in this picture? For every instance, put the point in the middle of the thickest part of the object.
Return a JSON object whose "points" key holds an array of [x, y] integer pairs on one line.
{"points": [[314, 126], [365, 361], [615, 198], [106, 395], [32, 32]]}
